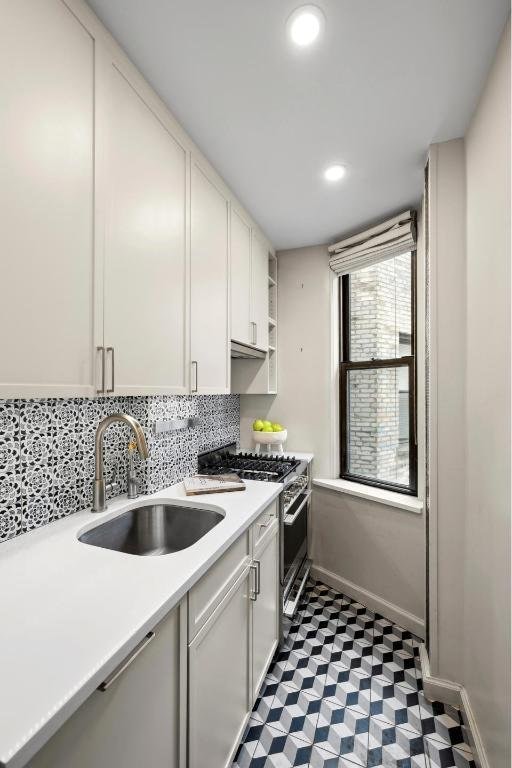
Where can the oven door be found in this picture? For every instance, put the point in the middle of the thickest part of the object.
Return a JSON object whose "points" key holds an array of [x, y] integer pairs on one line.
{"points": [[294, 540]]}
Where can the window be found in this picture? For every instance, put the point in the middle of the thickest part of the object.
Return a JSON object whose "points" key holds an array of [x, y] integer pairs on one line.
{"points": [[378, 375]]}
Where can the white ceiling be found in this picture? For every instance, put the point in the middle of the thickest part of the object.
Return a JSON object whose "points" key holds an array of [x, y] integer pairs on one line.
{"points": [[388, 78]]}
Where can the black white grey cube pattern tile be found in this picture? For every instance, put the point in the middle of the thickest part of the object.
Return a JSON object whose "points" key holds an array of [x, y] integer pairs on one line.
{"points": [[345, 690], [47, 450]]}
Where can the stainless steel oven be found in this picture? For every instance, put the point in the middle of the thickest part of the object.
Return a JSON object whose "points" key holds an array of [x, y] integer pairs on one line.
{"points": [[294, 511]]}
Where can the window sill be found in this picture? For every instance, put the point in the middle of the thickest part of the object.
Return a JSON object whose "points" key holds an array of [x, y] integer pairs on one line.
{"points": [[389, 498]]}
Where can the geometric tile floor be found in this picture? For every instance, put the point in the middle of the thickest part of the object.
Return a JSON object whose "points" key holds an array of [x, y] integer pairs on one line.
{"points": [[345, 691]]}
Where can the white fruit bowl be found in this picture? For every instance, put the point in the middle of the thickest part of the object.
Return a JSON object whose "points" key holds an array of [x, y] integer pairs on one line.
{"points": [[270, 438]]}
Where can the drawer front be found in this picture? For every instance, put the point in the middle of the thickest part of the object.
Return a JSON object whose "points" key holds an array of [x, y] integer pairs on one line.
{"points": [[209, 591], [259, 529]]}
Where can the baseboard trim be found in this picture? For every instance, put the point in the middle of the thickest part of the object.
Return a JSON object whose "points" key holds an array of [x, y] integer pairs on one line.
{"points": [[477, 744], [448, 692], [436, 688], [376, 603]]}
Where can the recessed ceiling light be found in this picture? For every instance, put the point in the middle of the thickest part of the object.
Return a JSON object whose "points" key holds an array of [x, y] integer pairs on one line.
{"points": [[335, 172], [305, 24]]}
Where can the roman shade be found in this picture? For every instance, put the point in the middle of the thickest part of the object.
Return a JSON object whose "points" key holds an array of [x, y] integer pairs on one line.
{"points": [[383, 241]]}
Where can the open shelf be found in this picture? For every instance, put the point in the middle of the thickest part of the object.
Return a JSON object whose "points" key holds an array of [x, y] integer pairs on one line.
{"points": [[259, 376]]}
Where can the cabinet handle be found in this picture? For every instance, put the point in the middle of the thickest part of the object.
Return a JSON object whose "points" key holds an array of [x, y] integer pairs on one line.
{"points": [[255, 333], [255, 566], [195, 368], [105, 685], [102, 390], [290, 520], [113, 375]]}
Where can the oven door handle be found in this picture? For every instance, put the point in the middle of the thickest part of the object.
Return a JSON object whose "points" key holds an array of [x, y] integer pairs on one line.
{"points": [[291, 520]]}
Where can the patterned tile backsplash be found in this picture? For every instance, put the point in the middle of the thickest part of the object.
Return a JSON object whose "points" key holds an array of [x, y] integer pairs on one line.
{"points": [[47, 450]]}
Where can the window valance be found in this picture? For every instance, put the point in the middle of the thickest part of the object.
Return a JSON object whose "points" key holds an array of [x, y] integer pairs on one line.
{"points": [[391, 238]]}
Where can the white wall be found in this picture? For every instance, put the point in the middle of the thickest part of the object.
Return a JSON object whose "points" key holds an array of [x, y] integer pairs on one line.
{"points": [[469, 523], [304, 343], [374, 547], [447, 486], [487, 542]]}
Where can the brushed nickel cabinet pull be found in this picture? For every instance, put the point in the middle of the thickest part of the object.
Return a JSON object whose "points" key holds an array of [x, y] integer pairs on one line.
{"points": [[112, 372], [254, 592], [258, 577], [255, 333], [101, 391], [195, 367], [105, 685]]}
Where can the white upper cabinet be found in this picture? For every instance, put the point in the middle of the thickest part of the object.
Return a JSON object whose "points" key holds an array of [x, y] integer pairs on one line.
{"points": [[115, 234], [145, 251], [249, 284], [46, 201], [241, 328], [209, 286], [259, 292]]}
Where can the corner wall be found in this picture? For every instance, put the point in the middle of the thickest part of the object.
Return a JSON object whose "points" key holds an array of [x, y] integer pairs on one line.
{"points": [[377, 549], [303, 402], [447, 462], [486, 647]]}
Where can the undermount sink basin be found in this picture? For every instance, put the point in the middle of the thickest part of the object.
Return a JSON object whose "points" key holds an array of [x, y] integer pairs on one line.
{"points": [[155, 529]]}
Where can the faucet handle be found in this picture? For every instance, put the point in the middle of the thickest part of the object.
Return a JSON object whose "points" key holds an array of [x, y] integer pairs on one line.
{"points": [[132, 483]]}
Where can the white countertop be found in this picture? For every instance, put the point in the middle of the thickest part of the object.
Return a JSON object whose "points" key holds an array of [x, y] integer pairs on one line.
{"points": [[71, 612]]}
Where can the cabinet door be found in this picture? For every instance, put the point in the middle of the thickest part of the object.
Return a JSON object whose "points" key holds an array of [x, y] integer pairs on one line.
{"points": [[145, 252], [209, 289], [241, 329], [219, 685], [265, 609], [260, 292], [136, 721], [46, 202]]}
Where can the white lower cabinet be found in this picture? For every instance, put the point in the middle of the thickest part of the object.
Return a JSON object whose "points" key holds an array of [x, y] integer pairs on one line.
{"points": [[230, 654], [219, 680], [182, 697], [265, 608], [136, 721]]}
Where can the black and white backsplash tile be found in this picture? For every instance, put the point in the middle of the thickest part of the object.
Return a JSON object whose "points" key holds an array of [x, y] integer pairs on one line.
{"points": [[47, 450]]}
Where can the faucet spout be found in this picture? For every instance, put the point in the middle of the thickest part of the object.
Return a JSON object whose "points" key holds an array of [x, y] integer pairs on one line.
{"points": [[98, 504]]}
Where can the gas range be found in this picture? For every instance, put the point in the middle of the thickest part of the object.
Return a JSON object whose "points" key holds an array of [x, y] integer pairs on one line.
{"points": [[294, 474], [248, 466]]}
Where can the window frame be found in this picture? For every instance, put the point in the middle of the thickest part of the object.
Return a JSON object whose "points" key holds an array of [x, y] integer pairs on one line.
{"points": [[346, 365]]}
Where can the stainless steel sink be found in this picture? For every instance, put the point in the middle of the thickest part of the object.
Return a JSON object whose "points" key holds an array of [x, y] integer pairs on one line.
{"points": [[155, 529]]}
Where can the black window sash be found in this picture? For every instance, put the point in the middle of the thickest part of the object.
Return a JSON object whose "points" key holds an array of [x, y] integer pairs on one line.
{"points": [[346, 365], [396, 362]]}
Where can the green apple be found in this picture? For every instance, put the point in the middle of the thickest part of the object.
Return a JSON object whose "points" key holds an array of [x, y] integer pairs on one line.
{"points": [[277, 428], [267, 426], [267, 429], [257, 425]]}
